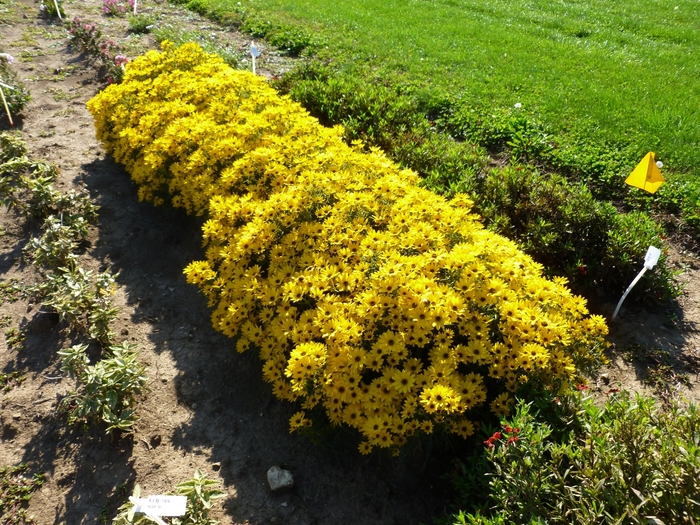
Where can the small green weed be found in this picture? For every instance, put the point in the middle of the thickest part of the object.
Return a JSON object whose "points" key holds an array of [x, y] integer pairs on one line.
{"points": [[11, 291], [15, 491], [59, 94], [10, 380], [15, 338]]}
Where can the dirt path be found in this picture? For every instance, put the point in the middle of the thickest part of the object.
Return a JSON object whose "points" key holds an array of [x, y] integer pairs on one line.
{"points": [[207, 406]]}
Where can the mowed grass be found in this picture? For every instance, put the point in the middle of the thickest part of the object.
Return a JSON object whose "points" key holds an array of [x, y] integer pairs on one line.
{"points": [[620, 72]]}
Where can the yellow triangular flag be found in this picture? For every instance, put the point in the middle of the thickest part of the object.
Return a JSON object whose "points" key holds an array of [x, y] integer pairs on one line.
{"points": [[646, 175]]}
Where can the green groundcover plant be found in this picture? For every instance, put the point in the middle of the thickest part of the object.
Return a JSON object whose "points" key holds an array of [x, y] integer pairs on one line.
{"points": [[568, 460]]}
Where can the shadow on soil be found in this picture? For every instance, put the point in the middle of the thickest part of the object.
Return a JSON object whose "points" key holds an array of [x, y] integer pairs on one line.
{"points": [[234, 414]]}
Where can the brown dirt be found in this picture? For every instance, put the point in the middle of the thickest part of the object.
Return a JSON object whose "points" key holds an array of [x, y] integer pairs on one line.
{"points": [[207, 407]]}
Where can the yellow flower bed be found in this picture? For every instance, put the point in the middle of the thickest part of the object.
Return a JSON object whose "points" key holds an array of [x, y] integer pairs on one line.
{"points": [[388, 307]]}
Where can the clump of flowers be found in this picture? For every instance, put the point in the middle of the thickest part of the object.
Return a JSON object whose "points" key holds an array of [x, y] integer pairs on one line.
{"points": [[88, 38], [116, 8], [387, 307]]}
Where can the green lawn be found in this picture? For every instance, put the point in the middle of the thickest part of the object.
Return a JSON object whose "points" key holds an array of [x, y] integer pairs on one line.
{"points": [[617, 71]]}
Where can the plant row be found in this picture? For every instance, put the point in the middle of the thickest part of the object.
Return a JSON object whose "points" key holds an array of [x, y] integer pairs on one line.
{"points": [[81, 298], [559, 197], [569, 460], [371, 301]]}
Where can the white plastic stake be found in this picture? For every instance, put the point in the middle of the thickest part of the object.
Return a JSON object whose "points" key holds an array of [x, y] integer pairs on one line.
{"points": [[650, 260], [135, 6], [254, 53], [58, 10]]}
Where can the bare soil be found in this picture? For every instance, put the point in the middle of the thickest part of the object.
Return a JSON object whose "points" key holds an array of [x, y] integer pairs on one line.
{"points": [[207, 406]]}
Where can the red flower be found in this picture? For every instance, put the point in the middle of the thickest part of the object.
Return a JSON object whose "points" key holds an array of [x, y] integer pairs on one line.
{"points": [[512, 440], [581, 388]]}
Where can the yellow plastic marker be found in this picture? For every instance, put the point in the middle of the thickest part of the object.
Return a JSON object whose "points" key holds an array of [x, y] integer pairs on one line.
{"points": [[646, 175]]}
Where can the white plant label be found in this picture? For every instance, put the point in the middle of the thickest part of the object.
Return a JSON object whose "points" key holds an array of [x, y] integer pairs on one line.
{"points": [[254, 52], [160, 505]]}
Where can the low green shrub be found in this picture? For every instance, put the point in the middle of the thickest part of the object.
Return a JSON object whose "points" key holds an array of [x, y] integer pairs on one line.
{"points": [[107, 389], [566, 229], [141, 23], [17, 96], [369, 111], [290, 39], [52, 8], [629, 237], [573, 462], [83, 300]]}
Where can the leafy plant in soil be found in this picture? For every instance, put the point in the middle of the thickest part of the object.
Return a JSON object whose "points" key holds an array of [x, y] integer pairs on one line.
{"points": [[15, 491]]}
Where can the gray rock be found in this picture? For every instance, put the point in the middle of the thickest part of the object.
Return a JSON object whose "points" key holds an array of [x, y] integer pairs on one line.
{"points": [[278, 478]]}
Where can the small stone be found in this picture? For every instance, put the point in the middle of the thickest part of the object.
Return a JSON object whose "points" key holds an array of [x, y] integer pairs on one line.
{"points": [[605, 378], [278, 478], [216, 466], [16, 416]]}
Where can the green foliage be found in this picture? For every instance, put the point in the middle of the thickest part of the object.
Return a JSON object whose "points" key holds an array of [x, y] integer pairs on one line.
{"points": [[18, 96], [564, 228], [629, 238], [15, 491], [107, 388], [15, 338], [209, 43], [10, 380], [11, 146], [83, 300], [201, 492], [48, 8], [141, 23], [629, 461], [291, 39], [369, 110]]}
